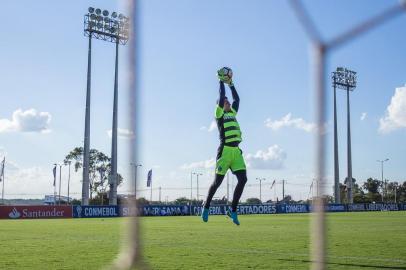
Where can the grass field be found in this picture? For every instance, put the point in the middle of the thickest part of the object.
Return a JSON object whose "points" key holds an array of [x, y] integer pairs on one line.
{"points": [[369, 240]]}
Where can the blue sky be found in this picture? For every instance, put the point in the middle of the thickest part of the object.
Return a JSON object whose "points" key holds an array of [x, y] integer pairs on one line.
{"points": [[181, 45]]}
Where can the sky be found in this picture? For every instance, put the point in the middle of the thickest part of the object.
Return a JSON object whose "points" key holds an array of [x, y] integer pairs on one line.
{"points": [[181, 44]]}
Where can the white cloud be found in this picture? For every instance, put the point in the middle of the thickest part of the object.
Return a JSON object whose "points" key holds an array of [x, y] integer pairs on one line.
{"points": [[363, 116], [212, 127], [395, 116], [271, 159], [26, 121], [35, 181], [206, 164], [288, 121], [122, 133]]}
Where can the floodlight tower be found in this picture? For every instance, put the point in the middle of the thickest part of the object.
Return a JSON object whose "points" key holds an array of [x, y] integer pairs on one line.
{"points": [[114, 28], [345, 79]]}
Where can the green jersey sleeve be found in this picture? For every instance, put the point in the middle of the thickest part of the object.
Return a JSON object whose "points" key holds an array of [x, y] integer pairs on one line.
{"points": [[219, 112]]}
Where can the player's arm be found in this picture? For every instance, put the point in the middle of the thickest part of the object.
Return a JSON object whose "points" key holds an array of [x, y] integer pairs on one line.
{"points": [[220, 105], [236, 98]]}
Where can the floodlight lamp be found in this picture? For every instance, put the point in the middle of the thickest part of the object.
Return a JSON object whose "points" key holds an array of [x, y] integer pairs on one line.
{"points": [[113, 30], [92, 24], [91, 9], [99, 18], [99, 25], [98, 11], [114, 14], [93, 17], [105, 13], [121, 16], [106, 19]]}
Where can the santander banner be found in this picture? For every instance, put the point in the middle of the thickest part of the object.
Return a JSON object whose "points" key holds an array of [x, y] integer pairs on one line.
{"points": [[40, 211]]}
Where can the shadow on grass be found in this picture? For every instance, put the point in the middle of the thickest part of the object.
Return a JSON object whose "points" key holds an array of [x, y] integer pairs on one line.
{"points": [[350, 264]]}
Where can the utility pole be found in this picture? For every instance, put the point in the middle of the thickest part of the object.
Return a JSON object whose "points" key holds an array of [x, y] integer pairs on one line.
{"points": [[197, 187], [191, 192], [69, 162], [396, 190], [135, 176], [260, 187], [60, 181], [382, 161], [283, 190]]}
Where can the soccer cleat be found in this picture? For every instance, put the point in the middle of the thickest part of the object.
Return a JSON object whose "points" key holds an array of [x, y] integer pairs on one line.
{"points": [[205, 214], [233, 216]]}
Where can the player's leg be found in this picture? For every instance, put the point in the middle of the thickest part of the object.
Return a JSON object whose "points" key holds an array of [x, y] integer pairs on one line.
{"points": [[239, 169], [218, 179], [212, 190], [242, 180], [222, 165]]}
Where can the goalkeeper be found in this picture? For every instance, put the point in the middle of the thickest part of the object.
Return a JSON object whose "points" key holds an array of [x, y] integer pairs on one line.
{"points": [[229, 155]]}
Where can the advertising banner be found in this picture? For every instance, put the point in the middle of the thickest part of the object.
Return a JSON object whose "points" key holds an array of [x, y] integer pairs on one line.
{"points": [[95, 211], [373, 207], [331, 208], [381, 207], [164, 210], [356, 207], [292, 208], [34, 212], [243, 209]]}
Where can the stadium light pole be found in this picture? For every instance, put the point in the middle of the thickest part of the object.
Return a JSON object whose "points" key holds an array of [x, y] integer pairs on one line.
{"points": [[382, 161], [337, 198], [260, 187], [113, 28], [135, 176], [345, 79]]}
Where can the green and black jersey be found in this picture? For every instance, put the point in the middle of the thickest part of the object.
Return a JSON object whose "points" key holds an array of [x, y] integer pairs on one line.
{"points": [[229, 129]]}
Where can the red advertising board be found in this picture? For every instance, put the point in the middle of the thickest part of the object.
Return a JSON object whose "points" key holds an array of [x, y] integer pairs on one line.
{"points": [[35, 211]]}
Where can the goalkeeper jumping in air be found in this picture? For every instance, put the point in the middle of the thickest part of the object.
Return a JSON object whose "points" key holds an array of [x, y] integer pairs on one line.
{"points": [[229, 155]]}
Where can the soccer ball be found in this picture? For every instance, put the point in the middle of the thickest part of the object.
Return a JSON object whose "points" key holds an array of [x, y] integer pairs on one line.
{"points": [[225, 74]]}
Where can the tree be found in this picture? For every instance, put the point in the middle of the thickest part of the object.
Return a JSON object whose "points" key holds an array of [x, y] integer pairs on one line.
{"points": [[75, 202], [372, 187], [182, 200], [287, 199], [99, 169], [358, 195], [99, 199], [253, 201]]}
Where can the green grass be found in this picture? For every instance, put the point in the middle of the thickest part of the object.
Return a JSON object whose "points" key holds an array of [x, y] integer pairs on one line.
{"points": [[370, 240]]}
